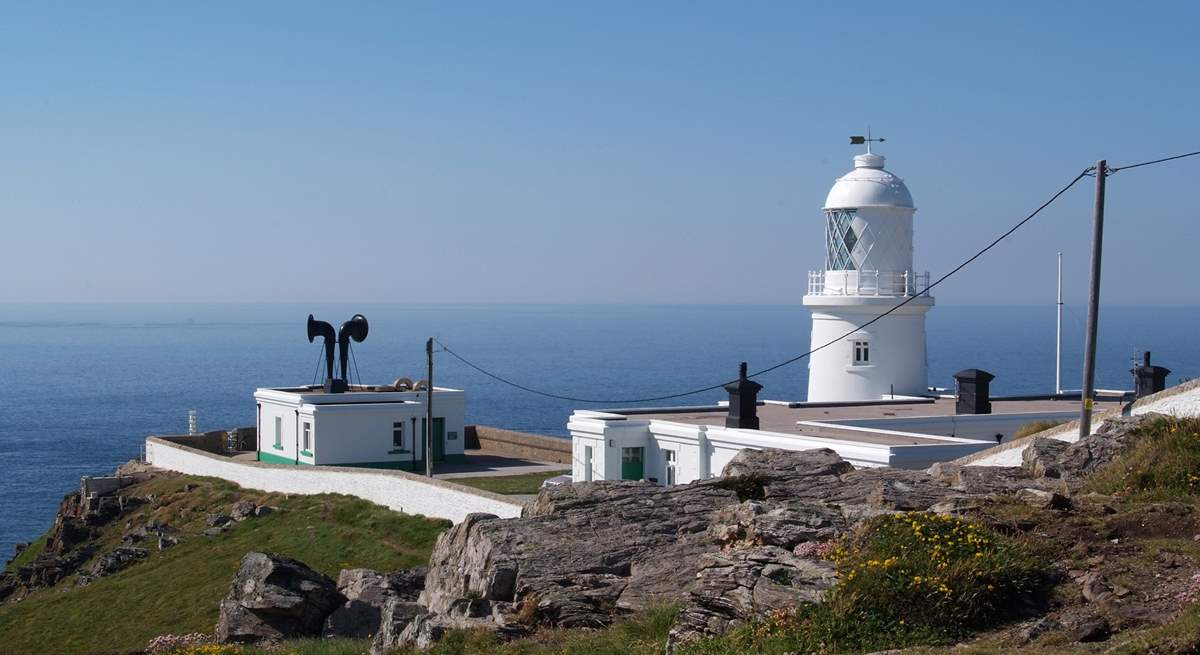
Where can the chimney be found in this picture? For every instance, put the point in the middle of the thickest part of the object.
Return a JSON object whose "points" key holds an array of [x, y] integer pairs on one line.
{"points": [[1149, 379], [743, 402], [971, 394]]}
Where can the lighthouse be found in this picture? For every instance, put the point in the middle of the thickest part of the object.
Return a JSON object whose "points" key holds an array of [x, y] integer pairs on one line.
{"points": [[868, 271]]}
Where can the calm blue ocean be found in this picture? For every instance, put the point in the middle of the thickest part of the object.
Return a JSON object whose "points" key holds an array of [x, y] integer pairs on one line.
{"points": [[82, 385]]}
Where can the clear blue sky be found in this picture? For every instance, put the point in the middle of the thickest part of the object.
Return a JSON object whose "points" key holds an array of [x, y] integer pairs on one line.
{"points": [[579, 152]]}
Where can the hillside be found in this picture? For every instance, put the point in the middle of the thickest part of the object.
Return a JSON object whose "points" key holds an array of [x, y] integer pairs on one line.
{"points": [[177, 590]]}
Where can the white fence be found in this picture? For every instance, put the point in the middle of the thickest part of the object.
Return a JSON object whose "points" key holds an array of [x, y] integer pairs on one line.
{"points": [[397, 490]]}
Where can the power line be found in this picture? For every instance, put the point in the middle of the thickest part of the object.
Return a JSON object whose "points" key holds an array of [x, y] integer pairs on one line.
{"points": [[1112, 170], [1084, 173]]}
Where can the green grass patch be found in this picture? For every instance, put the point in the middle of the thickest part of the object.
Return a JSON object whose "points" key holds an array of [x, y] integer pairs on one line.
{"points": [[1165, 463], [525, 483], [1035, 427], [644, 633], [904, 580], [27, 556], [177, 590]]}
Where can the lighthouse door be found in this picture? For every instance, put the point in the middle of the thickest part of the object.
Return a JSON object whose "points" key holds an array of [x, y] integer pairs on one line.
{"points": [[632, 465]]}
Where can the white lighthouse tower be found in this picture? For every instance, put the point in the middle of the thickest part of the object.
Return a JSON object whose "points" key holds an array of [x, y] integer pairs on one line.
{"points": [[868, 270]]}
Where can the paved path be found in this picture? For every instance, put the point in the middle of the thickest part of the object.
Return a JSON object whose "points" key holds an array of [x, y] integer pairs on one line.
{"points": [[481, 464]]}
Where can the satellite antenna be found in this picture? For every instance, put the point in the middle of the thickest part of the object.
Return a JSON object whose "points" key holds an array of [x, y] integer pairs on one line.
{"points": [[860, 140]]}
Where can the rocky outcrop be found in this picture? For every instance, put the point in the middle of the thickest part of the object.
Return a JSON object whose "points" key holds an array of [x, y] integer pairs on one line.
{"points": [[112, 562], [735, 586], [724, 547], [368, 593], [274, 597]]}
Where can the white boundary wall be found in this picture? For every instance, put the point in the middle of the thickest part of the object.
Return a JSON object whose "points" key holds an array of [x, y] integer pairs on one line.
{"points": [[396, 490]]}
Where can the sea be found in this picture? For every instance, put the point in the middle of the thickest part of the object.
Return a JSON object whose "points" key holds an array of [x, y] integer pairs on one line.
{"points": [[81, 386]]}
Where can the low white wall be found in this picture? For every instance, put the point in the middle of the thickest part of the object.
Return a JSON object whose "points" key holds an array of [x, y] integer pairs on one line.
{"points": [[982, 427], [397, 490]]}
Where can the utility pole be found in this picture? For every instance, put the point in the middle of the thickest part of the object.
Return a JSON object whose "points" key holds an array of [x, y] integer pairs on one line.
{"points": [[429, 408], [1058, 389], [1089, 347]]}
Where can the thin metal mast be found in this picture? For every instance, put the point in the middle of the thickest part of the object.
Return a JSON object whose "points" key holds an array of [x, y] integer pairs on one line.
{"points": [[1058, 334]]}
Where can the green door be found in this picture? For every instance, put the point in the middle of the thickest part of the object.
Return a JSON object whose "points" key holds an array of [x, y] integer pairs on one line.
{"points": [[632, 465]]}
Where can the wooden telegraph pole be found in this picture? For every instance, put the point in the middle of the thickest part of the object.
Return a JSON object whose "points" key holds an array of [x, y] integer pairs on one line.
{"points": [[1089, 347], [429, 408]]}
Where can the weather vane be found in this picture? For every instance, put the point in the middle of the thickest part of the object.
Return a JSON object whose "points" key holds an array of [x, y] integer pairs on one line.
{"points": [[860, 140]]}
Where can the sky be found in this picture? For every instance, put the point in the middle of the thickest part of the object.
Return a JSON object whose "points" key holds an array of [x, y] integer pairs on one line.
{"points": [[599, 152]]}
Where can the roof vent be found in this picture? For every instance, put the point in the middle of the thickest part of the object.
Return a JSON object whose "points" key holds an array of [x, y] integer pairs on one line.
{"points": [[743, 401]]}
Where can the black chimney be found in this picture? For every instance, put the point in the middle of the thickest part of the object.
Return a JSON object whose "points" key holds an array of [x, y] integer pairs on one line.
{"points": [[322, 329], [743, 402], [1149, 379], [971, 391]]}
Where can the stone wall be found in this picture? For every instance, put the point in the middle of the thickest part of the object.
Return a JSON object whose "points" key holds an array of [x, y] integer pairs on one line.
{"points": [[519, 444], [397, 490]]}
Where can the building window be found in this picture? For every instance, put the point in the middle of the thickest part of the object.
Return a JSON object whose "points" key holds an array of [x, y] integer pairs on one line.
{"points": [[862, 353], [587, 463], [398, 435], [279, 432], [307, 436], [669, 458]]}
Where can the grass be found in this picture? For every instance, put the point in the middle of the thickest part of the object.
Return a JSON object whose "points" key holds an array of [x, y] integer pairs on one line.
{"points": [[525, 483], [1164, 465], [177, 590], [28, 555], [1036, 427]]}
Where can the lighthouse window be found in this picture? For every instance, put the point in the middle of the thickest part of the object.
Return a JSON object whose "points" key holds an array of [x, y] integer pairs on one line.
{"points": [[398, 434], [840, 240], [862, 352]]}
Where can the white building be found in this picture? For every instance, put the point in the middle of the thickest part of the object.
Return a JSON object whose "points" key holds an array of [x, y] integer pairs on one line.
{"points": [[371, 426], [868, 270], [677, 446]]}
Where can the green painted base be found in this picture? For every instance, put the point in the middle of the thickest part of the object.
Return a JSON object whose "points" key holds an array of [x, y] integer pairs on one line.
{"points": [[271, 458], [402, 465]]}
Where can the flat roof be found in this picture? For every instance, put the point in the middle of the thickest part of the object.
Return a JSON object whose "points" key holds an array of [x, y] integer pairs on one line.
{"points": [[782, 418]]}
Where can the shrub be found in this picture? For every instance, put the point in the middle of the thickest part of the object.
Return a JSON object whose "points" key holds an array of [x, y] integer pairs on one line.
{"points": [[904, 580], [1035, 427], [1165, 462]]}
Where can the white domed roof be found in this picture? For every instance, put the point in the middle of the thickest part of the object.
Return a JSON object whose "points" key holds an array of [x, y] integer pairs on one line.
{"points": [[868, 185]]}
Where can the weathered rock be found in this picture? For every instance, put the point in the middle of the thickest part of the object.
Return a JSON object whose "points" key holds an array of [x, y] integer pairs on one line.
{"points": [[1040, 457], [368, 594], [242, 510], [214, 532], [1040, 499], [1091, 630], [423, 631], [394, 618], [1074, 462], [263, 510], [274, 597], [735, 586], [1039, 627], [218, 520], [1095, 588], [114, 561]]}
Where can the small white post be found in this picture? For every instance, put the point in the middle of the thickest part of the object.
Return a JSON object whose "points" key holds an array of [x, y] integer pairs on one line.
{"points": [[1058, 334]]}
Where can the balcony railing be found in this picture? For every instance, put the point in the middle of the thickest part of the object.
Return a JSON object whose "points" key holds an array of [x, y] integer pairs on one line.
{"points": [[868, 283]]}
